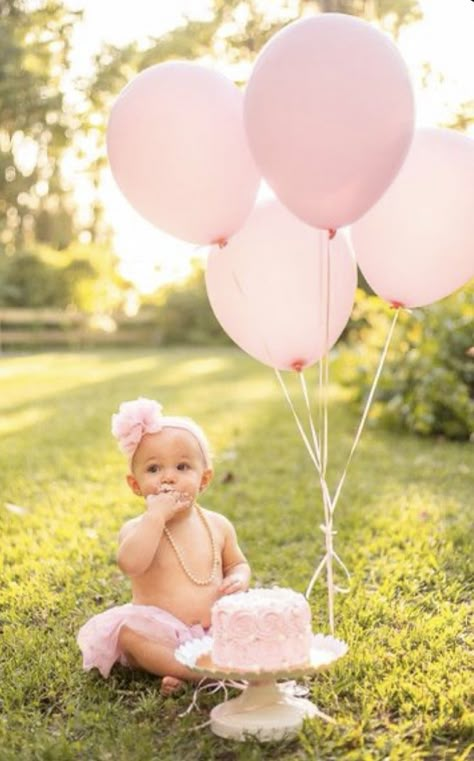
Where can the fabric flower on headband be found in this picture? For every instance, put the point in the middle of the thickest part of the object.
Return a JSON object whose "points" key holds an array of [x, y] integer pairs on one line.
{"points": [[133, 420]]}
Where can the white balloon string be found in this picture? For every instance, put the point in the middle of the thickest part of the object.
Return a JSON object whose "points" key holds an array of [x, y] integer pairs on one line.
{"points": [[322, 480], [314, 434], [344, 568], [315, 577], [366, 410], [326, 289], [298, 421], [326, 528], [326, 301], [321, 323], [210, 688], [320, 395], [325, 409]]}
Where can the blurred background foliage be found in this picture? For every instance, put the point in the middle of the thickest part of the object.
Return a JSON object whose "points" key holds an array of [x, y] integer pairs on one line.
{"points": [[55, 254], [183, 310], [82, 277], [427, 383]]}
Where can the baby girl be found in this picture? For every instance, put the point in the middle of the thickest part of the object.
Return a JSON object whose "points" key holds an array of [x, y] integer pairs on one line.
{"points": [[179, 556]]}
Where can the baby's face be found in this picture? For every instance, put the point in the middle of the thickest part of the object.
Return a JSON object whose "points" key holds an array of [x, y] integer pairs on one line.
{"points": [[170, 459]]}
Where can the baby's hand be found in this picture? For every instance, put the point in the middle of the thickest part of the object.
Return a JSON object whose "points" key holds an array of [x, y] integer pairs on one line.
{"points": [[230, 585], [168, 503]]}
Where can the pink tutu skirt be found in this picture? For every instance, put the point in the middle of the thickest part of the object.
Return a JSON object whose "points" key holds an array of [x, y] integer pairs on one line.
{"points": [[98, 638]]}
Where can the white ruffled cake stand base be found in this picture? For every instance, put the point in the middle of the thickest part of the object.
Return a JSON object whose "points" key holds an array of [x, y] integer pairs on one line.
{"points": [[266, 710]]}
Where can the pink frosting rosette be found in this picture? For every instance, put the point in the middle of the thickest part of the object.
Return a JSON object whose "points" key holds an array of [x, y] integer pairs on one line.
{"points": [[133, 420], [268, 624], [241, 625]]}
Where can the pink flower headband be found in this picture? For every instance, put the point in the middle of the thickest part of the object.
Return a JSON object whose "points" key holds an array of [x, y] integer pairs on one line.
{"points": [[140, 416]]}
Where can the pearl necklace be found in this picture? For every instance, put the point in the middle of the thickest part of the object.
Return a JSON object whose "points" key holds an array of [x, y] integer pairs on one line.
{"points": [[215, 558]]}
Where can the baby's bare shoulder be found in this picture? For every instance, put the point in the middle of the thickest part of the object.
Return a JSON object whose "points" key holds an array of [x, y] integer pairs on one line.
{"points": [[218, 520]]}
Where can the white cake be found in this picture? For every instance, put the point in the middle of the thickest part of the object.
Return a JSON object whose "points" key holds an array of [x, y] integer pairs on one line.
{"points": [[267, 629]]}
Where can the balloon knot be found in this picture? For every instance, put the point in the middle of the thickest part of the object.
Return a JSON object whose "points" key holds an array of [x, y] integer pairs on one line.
{"points": [[221, 242], [298, 365], [396, 304], [331, 233]]}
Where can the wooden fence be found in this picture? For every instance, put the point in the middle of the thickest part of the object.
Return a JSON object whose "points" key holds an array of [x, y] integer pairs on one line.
{"points": [[52, 327]]}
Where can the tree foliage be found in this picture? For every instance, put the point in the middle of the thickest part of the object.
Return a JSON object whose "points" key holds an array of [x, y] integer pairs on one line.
{"points": [[39, 124], [35, 41], [234, 32], [464, 118], [390, 14], [427, 383], [183, 314], [83, 278]]}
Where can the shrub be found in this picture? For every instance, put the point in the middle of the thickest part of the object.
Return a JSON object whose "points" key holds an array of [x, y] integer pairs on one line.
{"points": [[427, 383], [28, 281], [184, 315], [80, 276]]}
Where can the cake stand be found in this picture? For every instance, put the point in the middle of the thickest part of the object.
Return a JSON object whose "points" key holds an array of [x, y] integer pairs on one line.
{"points": [[266, 709]]}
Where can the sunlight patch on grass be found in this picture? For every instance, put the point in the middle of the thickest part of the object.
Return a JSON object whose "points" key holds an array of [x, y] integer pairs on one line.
{"points": [[40, 379], [17, 421], [197, 367], [21, 366]]}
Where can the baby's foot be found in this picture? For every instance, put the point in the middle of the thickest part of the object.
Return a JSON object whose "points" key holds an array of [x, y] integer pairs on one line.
{"points": [[171, 685]]}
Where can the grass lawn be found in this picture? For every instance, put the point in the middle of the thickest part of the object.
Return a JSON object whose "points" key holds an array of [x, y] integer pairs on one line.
{"points": [[404, 522]]}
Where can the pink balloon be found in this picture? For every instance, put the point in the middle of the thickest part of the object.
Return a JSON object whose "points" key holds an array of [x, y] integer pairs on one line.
{"points": [[178, 151], [417, 243], [267, 288], [329, 112]]}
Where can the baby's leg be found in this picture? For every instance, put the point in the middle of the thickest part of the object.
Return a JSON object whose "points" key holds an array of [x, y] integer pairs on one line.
{"points": [[155, 657]]}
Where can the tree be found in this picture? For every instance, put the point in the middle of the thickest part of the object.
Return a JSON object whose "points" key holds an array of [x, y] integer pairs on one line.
{"points": [[235, 32], [390, 14], [35, 41], [184, 315], [464, 118]]}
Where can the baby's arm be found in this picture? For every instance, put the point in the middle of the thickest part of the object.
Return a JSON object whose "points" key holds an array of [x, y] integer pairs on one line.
{"points": [[234, 564], [139, 538]]}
